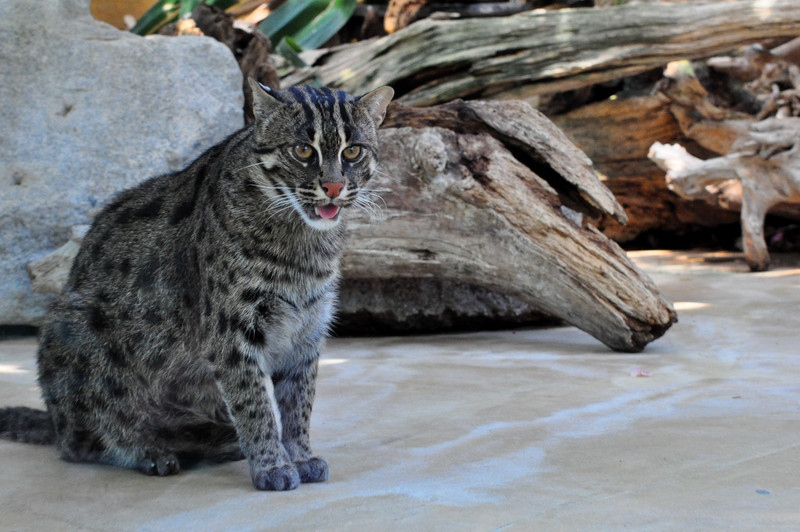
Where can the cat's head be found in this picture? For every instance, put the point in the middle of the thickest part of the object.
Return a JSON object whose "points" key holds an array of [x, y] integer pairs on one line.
{"points": [[316, 148]]}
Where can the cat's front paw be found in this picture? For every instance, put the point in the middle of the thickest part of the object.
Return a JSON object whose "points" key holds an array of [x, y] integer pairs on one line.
{"points": [[281, 478], [312, 470]]}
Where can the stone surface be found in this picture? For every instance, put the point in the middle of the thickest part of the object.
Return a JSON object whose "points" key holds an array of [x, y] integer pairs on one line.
{"points": [[49, 274], [87, 110], [528, 430]]}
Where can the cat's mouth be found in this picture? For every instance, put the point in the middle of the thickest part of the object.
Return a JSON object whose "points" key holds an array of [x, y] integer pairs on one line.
{"points": [[324, 216], [329, 211]]}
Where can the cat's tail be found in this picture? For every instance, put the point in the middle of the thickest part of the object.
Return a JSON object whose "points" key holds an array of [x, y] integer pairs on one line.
{"points": [[27, 425]]}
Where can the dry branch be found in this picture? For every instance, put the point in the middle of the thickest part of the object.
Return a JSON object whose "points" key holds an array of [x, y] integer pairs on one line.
{"points": [[616, 135], [767, 169], [760, 168], [433, 61]]}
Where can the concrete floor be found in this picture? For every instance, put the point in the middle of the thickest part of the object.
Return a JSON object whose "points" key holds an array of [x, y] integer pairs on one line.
{"points": [[525, 430]]}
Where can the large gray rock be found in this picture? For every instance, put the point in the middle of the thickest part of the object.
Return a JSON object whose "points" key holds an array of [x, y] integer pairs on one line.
{"points": [[87, 110]]}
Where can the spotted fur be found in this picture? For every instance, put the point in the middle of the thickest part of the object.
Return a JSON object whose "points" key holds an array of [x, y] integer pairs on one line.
{"points": [[192, 321]]}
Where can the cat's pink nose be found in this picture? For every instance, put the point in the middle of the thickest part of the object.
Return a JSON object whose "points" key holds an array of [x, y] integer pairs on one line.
{"points": [[332, 190]]}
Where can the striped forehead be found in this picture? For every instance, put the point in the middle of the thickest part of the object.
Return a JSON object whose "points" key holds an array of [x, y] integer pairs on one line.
{"points": [[328, 119]]}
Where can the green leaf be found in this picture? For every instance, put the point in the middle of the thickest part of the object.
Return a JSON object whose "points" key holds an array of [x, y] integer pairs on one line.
{"points": [[289, 49], [186, 7], [165, 11], [290, 18], [222, 4], [326, 24], [159, 14]]}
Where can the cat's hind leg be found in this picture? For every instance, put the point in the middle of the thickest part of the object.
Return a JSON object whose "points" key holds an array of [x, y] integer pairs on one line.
{"points": [[86, 382], [150, 462], [64, 362]]}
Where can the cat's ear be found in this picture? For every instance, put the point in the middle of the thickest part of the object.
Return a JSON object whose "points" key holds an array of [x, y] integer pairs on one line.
{"points": [[375, 103], [265, 100]]}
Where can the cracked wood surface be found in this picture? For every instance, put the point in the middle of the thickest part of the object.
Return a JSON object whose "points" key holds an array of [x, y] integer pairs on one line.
{"points": [[461, 206], [433, 61]]}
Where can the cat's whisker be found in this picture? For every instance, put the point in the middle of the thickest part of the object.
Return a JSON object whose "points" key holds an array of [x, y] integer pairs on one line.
{"points": [[386, 176], [259, 186], [276, 204], [378, 190], [259, 163], [267, 187], [372, 209], [369, 195], [279, 212], [279, 203]]}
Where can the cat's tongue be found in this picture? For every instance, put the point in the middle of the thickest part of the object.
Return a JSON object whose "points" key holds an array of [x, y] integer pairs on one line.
{"points": [[327, 211]]}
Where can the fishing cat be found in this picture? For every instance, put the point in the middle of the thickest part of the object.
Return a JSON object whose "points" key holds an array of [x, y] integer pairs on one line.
{"points": [[191, 323]]}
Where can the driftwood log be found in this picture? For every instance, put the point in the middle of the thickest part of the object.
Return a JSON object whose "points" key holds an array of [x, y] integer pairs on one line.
{"points": [[617, 135], [490, 194], [539, 52], [759, 170], [489, 200], [705, 106], [766, 168], [401, 13]]}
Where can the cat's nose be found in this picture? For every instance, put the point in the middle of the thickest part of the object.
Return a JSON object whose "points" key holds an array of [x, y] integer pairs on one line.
{"points": [[332, 190]]}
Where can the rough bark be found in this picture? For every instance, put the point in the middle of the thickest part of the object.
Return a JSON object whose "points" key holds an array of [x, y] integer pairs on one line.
{"points": [[479, 195], [617, 135], [758, 170], [433, 61]]}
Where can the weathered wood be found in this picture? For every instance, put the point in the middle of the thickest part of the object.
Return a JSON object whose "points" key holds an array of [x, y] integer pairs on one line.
{"points": [[542, 146], [401, 13], [462, 207], [725, 131], [759, 169], [434, 61], [790, 51], [617, 135], [767, 169]]}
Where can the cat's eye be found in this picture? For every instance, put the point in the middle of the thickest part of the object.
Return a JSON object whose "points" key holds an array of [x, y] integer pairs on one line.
{"points": [[303, 151], [351, 153]]}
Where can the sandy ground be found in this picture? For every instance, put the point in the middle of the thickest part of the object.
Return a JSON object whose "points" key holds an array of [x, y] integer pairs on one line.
{"points": [[542, 429]]}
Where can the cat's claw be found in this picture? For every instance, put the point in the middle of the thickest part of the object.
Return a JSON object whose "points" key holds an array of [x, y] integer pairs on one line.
{"points": [[281, 478], [312, 470], [161, 465]]}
